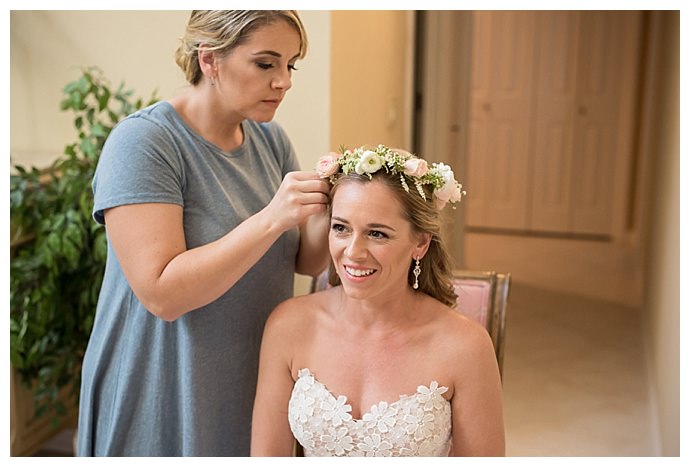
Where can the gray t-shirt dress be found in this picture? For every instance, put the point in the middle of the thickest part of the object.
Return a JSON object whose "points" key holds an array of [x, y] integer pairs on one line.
{"points": [[183, 388]]}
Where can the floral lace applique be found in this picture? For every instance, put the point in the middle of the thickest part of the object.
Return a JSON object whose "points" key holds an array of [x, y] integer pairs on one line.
{"points": [[415, 425]]}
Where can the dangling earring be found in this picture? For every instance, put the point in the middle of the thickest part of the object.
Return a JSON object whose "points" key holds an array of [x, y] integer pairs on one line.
{"points": [[213, 81], [416, 271]]}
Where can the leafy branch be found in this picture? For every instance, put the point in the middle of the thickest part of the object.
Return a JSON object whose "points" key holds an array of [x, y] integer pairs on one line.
{"points": [[59, 252]]}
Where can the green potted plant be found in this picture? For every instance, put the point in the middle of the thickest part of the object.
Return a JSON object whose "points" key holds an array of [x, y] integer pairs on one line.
{"points": [[58, 252]]}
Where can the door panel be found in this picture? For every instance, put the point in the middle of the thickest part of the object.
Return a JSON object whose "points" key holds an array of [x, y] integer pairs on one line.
{"points": [[499, 119], [555, 95]]}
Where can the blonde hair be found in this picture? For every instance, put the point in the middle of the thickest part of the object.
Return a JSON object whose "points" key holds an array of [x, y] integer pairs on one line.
{"points": [[223, 30], [436, 276]]}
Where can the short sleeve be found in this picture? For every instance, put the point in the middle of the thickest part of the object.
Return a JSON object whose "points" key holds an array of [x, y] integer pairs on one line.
{"points": [[139, 164]]}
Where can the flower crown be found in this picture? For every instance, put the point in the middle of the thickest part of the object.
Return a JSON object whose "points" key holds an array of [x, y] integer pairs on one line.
{"points": [[410, 168]]}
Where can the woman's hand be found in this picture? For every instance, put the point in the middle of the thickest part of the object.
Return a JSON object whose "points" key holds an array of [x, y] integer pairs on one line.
{"points": [[300, 195]]}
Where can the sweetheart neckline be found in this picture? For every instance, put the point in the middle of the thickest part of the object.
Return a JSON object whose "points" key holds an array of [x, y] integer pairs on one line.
{"points": [[307, 372]]}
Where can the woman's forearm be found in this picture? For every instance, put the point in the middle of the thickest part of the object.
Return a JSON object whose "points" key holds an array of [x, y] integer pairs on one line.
{"points": [[167, 278], [313, 250], [200, 275]]}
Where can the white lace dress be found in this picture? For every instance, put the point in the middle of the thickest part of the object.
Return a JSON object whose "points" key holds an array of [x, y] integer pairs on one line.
{"points": [[415, 425]]}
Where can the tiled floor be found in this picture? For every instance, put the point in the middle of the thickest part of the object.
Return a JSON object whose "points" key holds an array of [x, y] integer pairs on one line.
{"points": [[575, 381]]}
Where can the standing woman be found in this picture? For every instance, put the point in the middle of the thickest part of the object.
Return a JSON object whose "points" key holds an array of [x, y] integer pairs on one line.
{"points": [[208, 218]]}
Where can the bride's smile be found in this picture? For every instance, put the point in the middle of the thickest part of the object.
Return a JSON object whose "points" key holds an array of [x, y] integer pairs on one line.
{"points": [[370, 241]]}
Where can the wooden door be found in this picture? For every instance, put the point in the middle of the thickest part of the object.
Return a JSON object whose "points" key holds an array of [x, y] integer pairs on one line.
{"points": [[499, 119], [606, 83], [553, 125], [549, 141]]}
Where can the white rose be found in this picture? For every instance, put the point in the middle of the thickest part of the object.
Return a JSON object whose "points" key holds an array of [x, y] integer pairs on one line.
{"points": [[446, 172], [369, 163]]}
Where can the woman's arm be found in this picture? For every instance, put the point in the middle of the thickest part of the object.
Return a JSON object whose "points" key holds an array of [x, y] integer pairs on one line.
{"points": [[313, 254], [170, 280], [477, 403], [271, 434]]}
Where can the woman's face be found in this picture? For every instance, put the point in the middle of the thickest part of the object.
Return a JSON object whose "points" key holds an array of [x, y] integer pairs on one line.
{"points": [[254, 77], [370, 241]]}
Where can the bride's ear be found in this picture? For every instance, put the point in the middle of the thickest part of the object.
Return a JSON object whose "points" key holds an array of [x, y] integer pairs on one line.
{"points": [[423, 242]]}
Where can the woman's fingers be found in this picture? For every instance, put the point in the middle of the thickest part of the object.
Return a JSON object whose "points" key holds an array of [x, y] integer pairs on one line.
{"points": [[302, 194]]}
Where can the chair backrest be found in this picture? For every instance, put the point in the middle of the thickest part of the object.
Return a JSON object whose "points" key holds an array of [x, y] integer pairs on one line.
{"points": [[320, 282], [483, 296]]}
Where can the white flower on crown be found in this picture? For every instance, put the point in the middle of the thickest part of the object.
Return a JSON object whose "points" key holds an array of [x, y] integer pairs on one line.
{"points": [[445, 172], [450, 190], [369, 163]]}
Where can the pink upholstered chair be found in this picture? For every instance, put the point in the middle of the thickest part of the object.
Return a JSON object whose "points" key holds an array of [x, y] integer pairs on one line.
{"points": [[482, 296]]}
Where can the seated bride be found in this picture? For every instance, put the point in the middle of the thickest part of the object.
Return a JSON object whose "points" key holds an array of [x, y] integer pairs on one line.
{"points": [[379, 364]]}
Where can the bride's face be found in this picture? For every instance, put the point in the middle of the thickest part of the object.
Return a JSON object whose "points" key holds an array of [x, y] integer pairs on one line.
{"points": [[370, 241]]}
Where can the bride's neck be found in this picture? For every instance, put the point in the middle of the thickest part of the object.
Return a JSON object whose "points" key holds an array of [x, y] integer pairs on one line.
{"points": [[392, 312]]}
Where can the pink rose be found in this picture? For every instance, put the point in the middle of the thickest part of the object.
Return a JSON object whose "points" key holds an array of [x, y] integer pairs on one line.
{"points": [[444, 193], [457, 194], [327, 165], [416, 167], [450, 191]]}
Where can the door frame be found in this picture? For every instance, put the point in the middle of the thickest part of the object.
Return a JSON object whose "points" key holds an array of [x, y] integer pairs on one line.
{"points": [[441, 102]]}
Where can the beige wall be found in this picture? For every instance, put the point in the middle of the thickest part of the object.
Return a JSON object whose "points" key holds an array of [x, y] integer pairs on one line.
{"points": [[371, 78], [662, 305], [49, 47]]}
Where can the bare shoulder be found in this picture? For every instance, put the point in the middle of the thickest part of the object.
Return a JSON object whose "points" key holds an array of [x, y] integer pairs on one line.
{"points": [[461, 338], [290, 311], [292, 327], [298, 313]]}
